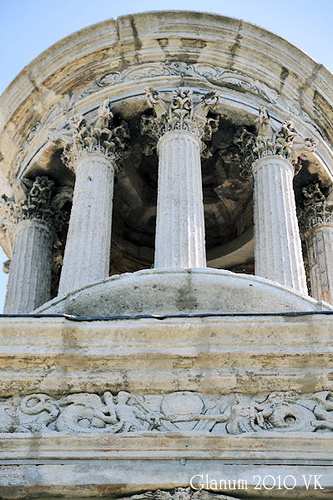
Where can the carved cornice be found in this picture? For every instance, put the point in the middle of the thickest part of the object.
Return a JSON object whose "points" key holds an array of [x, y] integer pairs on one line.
{"points": [[34, 200], [317, 208], [99, 136], [285, 143], [180, 114], [175, 412]]}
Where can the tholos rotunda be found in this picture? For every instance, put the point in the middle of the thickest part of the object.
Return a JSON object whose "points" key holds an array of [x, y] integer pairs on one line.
{"points": [[166, 211]]}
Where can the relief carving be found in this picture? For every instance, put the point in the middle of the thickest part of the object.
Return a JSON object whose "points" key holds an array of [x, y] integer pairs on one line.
{"points": [[179, 494], [207, 74], [181, 411], [211, 74]]}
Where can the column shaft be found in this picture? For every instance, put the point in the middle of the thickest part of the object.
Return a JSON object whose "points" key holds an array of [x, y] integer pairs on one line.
{"points": [[278, 253], [320, 254], [87, 252], [180, 233], [29, 284]]}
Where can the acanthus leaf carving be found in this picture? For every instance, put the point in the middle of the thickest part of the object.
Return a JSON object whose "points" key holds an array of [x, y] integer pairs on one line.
{"points": [[266, 142], [33, 199], [179, 114], [100, 136], [317, 208]]}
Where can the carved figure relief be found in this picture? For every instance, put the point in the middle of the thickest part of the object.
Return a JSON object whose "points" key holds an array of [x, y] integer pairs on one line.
{"points": [[181, 411]]}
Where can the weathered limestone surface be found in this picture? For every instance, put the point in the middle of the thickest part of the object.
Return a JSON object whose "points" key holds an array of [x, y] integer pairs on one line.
{"points": [[278, 252], [170, 291], [87, 253], [180, 127], [230, 354], [185, 373], [180, 231], [234, 374], [32, 220], [29, 284], [93, 153], [180, 411], [117, 60], [320, 248], [75, 479], [317, 223]]}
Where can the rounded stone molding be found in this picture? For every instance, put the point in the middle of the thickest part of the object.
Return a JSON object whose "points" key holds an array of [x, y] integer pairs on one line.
{"points": [[176, 292]]}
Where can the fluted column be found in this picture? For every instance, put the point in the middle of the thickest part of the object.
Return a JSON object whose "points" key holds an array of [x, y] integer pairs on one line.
{"points": [[180, 231], [31, 217], [29, 282], [318, 223], [93, 155], [277, 244], [180, 126]]}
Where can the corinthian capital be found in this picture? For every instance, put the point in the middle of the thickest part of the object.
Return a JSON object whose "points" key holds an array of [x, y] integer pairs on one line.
{"points": [[317, 208], [99, 136], [181, 113], [285, 142], [270, 143], [31, 200]]}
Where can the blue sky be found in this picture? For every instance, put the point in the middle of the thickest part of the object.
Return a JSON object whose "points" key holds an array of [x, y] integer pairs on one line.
{"points": [[30, 26]]}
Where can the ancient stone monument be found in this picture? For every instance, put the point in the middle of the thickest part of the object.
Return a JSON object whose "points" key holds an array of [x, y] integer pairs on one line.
{"points": [[167, 215]]}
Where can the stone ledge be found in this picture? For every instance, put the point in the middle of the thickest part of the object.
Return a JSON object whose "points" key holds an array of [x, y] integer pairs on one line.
{"points": [[116, 478], [296, 448]]}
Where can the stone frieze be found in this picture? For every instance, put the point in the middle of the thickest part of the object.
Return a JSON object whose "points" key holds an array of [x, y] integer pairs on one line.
{"points": [[182, 411], [179, 494]]}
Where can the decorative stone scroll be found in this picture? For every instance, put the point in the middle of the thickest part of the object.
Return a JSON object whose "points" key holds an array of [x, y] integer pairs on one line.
{"points": [[93, 154], [174, 412], [33, 217], [179, 494]]}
